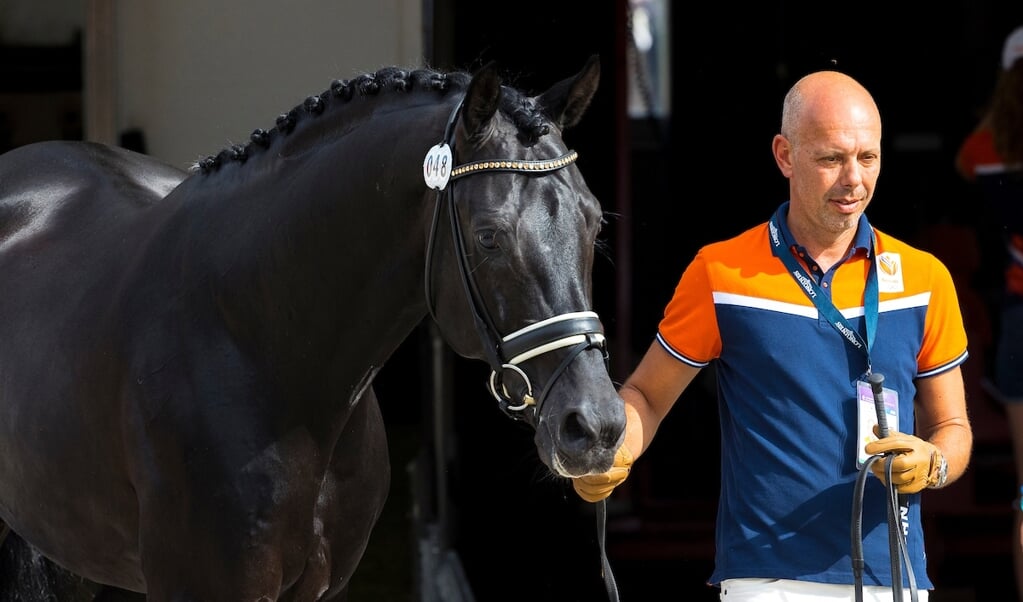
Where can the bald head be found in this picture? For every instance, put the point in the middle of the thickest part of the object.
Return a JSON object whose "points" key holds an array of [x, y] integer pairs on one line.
{"points": [[825, 99], [830, 151]]}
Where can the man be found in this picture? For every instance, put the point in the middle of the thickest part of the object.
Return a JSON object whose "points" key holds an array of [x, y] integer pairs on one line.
{"points": [[800, 314]]}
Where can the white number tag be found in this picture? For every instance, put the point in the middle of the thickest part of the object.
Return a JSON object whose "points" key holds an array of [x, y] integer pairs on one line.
{"points": [[437, 166]]}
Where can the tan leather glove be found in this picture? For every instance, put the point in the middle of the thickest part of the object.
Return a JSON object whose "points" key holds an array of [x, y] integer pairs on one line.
{"points": [[914, 466], [596, 487]]}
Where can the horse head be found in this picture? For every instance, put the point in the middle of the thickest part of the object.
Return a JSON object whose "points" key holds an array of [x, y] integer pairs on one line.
{"points": [[515, 214]]}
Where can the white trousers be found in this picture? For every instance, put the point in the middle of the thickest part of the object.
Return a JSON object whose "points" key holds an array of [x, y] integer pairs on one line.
{"points": [[787, 590]]}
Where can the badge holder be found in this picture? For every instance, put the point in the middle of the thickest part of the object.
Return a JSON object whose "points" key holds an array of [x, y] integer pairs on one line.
{"points": [[867, 416]]}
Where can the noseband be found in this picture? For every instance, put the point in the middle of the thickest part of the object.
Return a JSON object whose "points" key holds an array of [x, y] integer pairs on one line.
{"points": [[580, 330]]}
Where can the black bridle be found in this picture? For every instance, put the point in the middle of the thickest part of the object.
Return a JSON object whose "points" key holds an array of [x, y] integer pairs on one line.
{"points": [[580, 330]]}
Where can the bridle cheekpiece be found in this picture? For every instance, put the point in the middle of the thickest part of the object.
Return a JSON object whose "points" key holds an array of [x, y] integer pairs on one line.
{"points": [[580, 330]]}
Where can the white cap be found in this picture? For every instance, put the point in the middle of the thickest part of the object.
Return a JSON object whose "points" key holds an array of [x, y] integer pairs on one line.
{"points": [[1013, 48]]}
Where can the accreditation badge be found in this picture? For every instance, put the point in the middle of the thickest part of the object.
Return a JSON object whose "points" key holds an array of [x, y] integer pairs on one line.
{"points": [[867, 416]]}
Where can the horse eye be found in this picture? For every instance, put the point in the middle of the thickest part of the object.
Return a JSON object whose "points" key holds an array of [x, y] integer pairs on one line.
{"points": [[487, 239]]}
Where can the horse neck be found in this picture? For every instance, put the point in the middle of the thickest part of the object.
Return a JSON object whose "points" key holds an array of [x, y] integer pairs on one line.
{"points": [[324, 244]]}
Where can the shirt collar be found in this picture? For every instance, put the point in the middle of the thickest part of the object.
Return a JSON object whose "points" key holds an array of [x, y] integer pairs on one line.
{"points": [[861, 242]]}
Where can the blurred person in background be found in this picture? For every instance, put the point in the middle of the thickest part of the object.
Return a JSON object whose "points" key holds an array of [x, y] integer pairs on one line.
{"points": [[991, 156]]}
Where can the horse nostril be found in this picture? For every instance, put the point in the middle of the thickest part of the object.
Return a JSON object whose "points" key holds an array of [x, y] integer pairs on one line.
{"points": [[577, 433]]}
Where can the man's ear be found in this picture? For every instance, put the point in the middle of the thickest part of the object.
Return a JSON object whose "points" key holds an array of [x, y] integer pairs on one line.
{"points": [[782, 150]]}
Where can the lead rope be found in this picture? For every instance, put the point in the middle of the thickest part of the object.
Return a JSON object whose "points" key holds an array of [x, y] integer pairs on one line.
{"points": [[896, 542], [605, 565]]}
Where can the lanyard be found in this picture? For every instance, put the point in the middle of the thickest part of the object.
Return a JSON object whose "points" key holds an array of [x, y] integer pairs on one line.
{"points": [[781, 250]]}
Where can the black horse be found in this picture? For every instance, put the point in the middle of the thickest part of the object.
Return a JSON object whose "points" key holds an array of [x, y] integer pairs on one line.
{"points": [[187, 358]]}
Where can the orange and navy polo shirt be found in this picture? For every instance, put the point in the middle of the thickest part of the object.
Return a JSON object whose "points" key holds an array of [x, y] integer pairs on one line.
{"points": [[787, 399]]}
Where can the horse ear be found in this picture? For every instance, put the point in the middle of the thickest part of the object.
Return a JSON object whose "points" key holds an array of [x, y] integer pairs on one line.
{"points": [[566, 101], [481, 99]]}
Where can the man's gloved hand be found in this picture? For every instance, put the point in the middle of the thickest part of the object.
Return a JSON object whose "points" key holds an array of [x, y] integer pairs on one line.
{"points": [[596, 487], [914, 466]]}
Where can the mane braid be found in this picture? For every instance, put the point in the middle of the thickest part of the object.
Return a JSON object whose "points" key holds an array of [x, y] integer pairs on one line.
{"points": [[520, 109]]}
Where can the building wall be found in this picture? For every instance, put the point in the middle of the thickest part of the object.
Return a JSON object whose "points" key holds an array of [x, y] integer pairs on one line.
{"points": [[29, 23], [193, 77], [196, 76]]}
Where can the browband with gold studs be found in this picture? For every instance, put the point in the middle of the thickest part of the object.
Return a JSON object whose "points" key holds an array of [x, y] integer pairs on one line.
{"points": [[514, 165]]}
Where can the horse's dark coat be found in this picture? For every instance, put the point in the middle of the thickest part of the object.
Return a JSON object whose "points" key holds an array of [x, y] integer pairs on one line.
{"points": [[186, 359]]}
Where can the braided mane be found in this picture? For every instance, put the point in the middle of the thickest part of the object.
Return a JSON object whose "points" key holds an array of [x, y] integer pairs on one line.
{"points": [[518, 107]]}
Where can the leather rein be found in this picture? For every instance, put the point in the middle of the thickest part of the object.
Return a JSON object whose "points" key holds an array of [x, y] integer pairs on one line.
{"points": [[580, 330]]}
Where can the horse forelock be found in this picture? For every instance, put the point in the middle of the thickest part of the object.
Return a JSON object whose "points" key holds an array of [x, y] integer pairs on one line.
{"points": [[518, 107], [529, 120]]}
